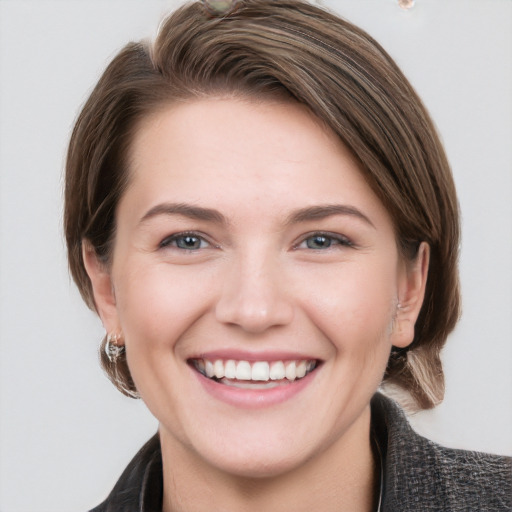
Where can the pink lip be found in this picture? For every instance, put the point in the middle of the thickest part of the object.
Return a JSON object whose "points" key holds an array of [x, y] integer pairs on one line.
{"points": [[254, 398], [240, 355]]}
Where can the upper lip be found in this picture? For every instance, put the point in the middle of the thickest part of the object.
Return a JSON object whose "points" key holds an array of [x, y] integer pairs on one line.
{"points": [[243, 355]]}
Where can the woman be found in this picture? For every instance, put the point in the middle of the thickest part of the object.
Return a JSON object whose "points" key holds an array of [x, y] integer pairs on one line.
{"points": [[260, 211]]}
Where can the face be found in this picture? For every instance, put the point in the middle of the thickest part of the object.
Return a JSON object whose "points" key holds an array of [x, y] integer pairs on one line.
{"points": [[255, 279]]}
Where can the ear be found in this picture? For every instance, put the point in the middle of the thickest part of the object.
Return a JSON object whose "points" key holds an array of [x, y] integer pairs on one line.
{"points": [[411, 292], [103, 289]]}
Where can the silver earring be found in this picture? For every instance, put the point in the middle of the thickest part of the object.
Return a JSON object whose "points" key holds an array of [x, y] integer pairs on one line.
{"points": [[112, 349]]}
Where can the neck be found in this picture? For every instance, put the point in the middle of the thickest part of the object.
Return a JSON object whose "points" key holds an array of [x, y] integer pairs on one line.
{"points": [[343, 477]]}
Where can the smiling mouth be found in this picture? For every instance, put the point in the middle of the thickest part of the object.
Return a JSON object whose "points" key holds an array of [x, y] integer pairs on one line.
{"points": [[254, 375]]}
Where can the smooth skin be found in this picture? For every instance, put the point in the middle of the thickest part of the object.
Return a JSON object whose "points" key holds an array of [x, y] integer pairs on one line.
{"points": [[248, 227]]}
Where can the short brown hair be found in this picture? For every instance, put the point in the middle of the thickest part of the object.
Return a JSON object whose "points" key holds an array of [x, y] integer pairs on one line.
{"points": [[290, 49]]}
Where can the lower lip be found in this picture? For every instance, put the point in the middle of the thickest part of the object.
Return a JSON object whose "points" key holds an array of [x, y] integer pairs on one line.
{"points": [[254, 398]]}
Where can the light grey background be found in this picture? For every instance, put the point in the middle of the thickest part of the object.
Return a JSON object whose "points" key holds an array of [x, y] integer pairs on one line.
{"points": [[65, 432]]}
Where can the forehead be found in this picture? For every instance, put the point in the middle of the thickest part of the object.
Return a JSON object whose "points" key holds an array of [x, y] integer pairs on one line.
{"points": [[231, 153], [237, 126]]}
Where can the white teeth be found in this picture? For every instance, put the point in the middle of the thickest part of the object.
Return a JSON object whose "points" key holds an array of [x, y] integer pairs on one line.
{"points": [[277, 370], [218, 368], [290, 370], [260, 371], [230, 369], [208, 368], [243, 370], [301, 370]]}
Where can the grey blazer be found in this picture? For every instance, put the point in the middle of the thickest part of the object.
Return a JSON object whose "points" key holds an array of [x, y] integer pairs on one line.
{"points": [[419, 475]]}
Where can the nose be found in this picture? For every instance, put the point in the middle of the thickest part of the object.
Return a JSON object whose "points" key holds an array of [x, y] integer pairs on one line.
{"points": [[254, 296]]}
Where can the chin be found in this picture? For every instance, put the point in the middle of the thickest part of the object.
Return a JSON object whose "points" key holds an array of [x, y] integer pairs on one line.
{"points": [[269, 462]]}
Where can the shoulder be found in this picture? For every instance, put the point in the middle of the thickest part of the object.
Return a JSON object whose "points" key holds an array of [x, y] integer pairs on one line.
{"points": [[482, 479], [422, 475]]}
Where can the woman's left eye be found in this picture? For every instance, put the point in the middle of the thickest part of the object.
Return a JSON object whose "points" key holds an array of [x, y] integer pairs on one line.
{"points": [[322, 241], [186, 241]]}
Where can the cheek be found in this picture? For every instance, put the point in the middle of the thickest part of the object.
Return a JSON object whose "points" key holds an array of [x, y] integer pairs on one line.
{"points": [[354, 306], [156, 305]]}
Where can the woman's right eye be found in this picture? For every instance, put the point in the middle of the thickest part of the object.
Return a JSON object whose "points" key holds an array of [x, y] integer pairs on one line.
{"points": [[185, 241]]}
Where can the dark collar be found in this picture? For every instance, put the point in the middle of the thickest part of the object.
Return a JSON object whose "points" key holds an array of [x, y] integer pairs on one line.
{"points": [[422, 476]]}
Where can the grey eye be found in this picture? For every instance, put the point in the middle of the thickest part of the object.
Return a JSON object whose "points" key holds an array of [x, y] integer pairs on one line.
{"points": [[188, 242], [319, 242]]}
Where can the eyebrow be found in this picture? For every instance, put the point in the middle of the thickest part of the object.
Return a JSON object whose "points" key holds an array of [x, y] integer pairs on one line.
{"points": [[324, 211], [185, 210], [310, 213]]}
